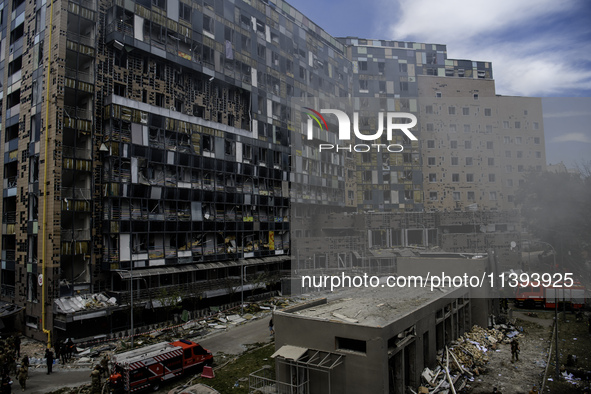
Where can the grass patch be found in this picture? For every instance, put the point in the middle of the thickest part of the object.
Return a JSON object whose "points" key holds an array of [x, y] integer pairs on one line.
{"points": [[231, 372], [573, 338]]}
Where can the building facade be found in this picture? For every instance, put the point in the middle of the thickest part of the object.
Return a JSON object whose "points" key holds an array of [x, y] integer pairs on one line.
{"points": [[388, 73], [147, 148], [477, 146], [152, 149]]}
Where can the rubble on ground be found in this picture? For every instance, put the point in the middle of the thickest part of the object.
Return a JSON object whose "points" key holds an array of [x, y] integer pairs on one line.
{"points": [[466, 358], [89, 354]]}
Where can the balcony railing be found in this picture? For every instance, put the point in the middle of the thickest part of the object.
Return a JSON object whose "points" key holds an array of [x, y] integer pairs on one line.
{"points": [[7, 291], [77, 112], [85, 40], [9, 255], [75, 235], [77, 153], [9, 217], [11, 182], [76, 193], [184, 289], [85, 3]]}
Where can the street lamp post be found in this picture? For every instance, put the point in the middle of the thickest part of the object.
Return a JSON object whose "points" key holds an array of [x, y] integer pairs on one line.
{"points": [[555, 309], [242, 275], [555, 304], [242, 266], [131, 301]]}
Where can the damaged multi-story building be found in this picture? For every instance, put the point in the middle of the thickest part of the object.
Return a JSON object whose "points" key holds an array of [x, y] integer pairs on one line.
{"points": [[152, 146], [454, 188], [147, 147]]}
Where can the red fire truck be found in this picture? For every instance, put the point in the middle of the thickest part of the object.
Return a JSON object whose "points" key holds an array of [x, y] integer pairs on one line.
{"points": [[147, 367], [530, 296]]}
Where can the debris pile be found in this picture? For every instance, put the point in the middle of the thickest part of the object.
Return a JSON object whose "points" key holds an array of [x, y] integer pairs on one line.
{"points": [[197, 328], [465, 359], [72, 304]]}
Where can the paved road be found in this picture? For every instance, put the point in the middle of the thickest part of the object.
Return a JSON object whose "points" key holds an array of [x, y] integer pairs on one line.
{"points": [[40, 383], [233, 341]]}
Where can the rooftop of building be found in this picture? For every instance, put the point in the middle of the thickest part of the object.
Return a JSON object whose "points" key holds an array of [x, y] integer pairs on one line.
{"points": [[373, 307]]}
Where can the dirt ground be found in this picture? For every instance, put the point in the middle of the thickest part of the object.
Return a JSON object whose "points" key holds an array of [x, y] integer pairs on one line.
{"points": [[521, 376]]}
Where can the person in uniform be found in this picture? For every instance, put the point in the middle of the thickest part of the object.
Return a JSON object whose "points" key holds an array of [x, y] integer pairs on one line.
{"points": [[49, 360], [514, 350], [22, 376], [3, 365], [17, 345], [105, 365], [534, 390], [95, 375], [6, 384]]}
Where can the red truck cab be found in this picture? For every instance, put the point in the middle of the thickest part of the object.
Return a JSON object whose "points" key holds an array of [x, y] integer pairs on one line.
{"points": [[147, 367], [194, 354]]}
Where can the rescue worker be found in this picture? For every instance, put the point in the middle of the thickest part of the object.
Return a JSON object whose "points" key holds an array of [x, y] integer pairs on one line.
{"points": [[534, 390], [116, 382], [11, 362], [105, 365], [22, 376], [58, 351], [49, 360], [6, 384], [514, 350], [3, 365], [17, 345], [96, 380]]}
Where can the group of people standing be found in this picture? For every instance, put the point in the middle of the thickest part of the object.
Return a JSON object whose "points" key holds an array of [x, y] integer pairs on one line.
{"points": [[64, 350], [10, 352]]}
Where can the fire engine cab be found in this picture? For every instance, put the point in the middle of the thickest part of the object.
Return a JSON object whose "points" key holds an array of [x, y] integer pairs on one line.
{"points": [[147, 367]]}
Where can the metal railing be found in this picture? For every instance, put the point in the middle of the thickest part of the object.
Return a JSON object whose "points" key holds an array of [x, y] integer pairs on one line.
{"points": [[85, 3], [9, 255], [78, 153], [76, 235], [78, 112], [184, 289], [7, 291], [263, 381], [76, 193], [84, 40], [11, 181], [9, 217]]}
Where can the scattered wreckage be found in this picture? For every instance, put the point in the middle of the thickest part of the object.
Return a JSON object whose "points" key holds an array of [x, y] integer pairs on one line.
{"points": [[465, 359]]}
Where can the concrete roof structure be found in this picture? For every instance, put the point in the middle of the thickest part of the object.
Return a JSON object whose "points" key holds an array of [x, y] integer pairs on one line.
{"points": [[374, 307]]}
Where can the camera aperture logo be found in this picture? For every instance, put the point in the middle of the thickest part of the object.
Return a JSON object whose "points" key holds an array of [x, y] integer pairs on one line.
{"points": [[344, 133]]}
